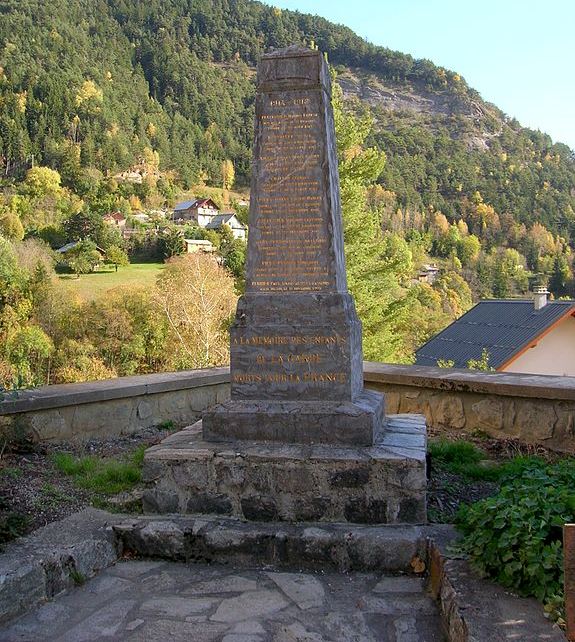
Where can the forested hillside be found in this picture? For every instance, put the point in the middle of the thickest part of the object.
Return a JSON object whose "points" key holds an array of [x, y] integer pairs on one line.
{"points": [[93, 89]]}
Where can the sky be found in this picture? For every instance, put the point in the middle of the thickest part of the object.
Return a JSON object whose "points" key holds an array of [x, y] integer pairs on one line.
{"points": [[518, 54]]}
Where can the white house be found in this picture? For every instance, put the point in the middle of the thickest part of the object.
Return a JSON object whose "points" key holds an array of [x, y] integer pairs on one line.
{"points": [[239, 230], [522, 336], [200, 211]]}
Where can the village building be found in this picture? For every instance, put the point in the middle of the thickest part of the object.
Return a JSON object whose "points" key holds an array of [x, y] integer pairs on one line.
{"points": [[428, 274], [69, 246], [141, 218], [130, 176], [239, 230], [198, 245], [199, 211], [115, 218], [522, 336]]}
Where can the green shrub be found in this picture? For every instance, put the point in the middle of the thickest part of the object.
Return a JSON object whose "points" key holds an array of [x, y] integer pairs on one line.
{"points": [[515, 536], [12, 525]]}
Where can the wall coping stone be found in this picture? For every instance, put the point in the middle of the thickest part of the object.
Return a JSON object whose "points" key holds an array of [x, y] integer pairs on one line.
{"points": [[441, 379], [473, 381], [73, 394]]}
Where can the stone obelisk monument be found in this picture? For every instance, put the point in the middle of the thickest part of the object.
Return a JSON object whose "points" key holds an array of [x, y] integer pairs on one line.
{"points": [[300, 439], [296, 357]]}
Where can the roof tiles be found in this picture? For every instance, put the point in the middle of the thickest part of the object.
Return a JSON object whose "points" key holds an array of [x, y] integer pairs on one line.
{"points": [[502, 327]]}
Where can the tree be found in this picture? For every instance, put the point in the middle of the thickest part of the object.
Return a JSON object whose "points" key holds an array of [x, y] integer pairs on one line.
{"points": [[171, 242], [468, 249], [78, 361], [560, 275], [233, 253], [116, 256], [482, 363], [27, 349], [83, 257], [10, 224], [228, 174], [455, 293], [42, 181], [84, 225], [377, 263], [506, 267], [196, 295]]}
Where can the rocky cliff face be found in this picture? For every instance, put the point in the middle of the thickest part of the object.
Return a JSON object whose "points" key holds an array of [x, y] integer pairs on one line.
{"points": [[416, 104]]}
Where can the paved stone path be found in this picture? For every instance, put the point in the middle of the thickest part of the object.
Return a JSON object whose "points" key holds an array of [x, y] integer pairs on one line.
{"points": [[139, 601]]}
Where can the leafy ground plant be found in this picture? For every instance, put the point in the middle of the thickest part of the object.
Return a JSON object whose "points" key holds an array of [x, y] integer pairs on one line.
{"points": [[515, 536], [107, 476], [12, 525]]}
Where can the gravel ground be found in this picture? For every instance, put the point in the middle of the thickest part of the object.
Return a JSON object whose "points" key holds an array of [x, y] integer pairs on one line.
{"points": [[32, 486]]}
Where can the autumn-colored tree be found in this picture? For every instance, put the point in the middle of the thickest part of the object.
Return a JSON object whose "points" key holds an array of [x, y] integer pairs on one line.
{"points": [[468, 249], [27, 349], [539, 244], [196, 296], [439, 224], [228, 174], [78, 361], [42, 181], [10, 225], [455, 293]]}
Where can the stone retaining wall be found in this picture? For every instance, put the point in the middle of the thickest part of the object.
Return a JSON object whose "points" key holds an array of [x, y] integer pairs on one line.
{"points": [[101, 409], [534, 408], [537, 409]]}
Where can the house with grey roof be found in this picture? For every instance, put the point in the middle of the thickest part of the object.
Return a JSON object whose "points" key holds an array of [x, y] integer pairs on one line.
{"points": [[199, 211], [239, 230], [524, 336], [70, 246]]}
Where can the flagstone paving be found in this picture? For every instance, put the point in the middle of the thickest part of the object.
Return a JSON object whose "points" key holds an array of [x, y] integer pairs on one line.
{"points": [[152, 601]]}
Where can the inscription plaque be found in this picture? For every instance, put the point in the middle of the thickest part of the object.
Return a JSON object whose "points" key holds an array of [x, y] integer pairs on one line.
{"points": [[296, 359]]}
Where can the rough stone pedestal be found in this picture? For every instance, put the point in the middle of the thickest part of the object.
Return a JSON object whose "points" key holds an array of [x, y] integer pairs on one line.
{"points": [[381, 484]]}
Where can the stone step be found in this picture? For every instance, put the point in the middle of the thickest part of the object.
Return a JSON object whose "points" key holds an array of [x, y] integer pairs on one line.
{"points": [[225, 540]]}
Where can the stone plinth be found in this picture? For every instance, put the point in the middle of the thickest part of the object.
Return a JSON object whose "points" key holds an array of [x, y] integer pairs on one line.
{"points": [[356, 423], [255, 481]]}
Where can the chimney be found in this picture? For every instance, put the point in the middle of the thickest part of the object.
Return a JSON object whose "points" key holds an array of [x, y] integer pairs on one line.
{"points": [[540, 296]]}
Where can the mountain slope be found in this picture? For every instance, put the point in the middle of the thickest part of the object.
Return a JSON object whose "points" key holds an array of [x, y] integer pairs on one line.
{"points": [[96, 83]]}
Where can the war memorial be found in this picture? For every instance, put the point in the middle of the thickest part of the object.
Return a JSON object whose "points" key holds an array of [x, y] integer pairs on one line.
{"points": [[297, 505], [300, 439]]}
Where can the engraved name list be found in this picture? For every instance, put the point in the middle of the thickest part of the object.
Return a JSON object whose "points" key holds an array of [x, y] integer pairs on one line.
{"points": [[290, 231]]}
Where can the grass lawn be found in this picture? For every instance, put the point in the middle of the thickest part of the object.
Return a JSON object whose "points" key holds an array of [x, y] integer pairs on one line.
{"points": [[90, 286]]}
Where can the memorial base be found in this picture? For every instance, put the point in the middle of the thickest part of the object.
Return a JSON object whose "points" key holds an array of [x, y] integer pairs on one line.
{"points": [[255, 481], [357, 423]]}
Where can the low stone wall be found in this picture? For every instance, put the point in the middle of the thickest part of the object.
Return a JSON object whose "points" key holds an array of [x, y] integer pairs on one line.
{"points": [[537, 409], [534, 408], [100, 409]]}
